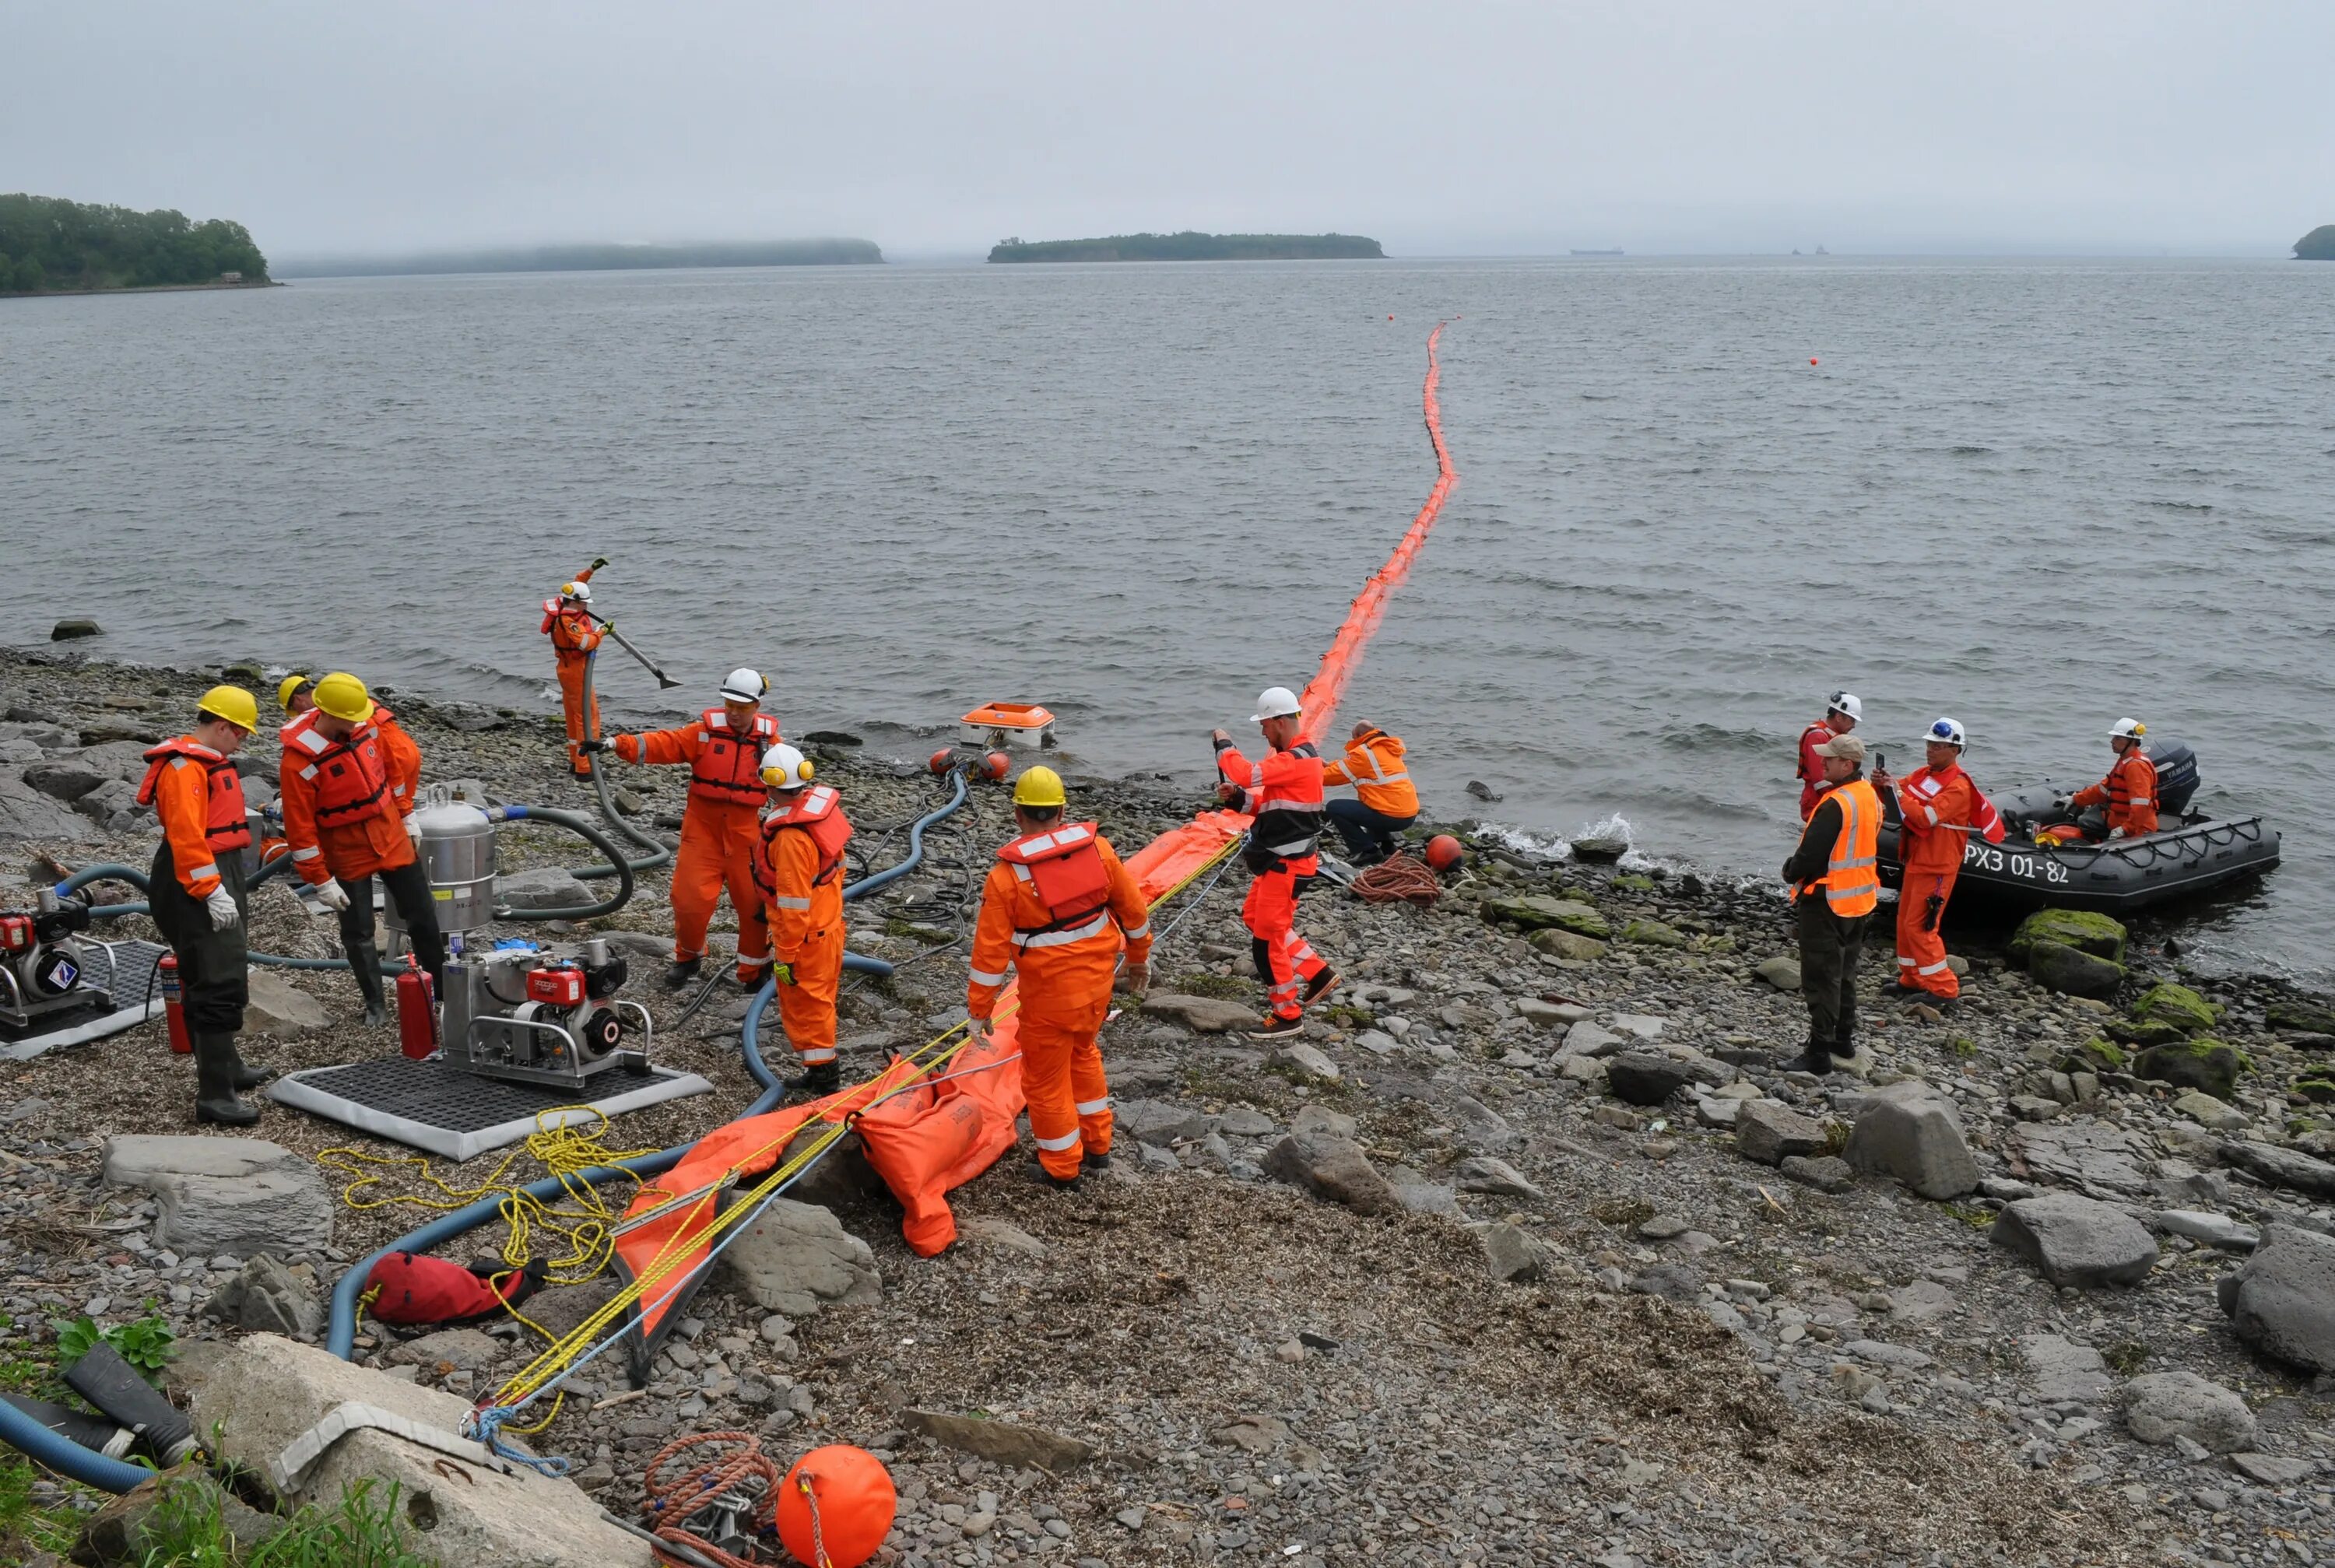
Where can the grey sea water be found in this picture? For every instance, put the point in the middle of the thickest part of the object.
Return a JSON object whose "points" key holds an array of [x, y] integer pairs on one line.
{"points": [[2036, 496]]}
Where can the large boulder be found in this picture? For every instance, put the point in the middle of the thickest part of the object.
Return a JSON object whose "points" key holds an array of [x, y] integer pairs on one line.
{"points": [[27, 813], [2281, 1300], [2072, 971], [1641, 1077], [2285, 1167], [1156, 1122], [1331, 1167], [2077, 1241], [1910, 1130], [2301, 1014], [795, 1258], [2163, 1405], [1201, 1014], [251, 1396], [238, 1196], [2087, 932], [543, 887], [2203, 1064], [1650, 933], [66, 779], [1569, 944], [1513, 1254], [1538, 911], [275, 1006], [2176, 1005], [1768, 1132]]}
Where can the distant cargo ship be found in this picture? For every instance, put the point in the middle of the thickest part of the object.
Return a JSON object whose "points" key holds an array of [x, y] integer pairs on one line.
{"points": [[1596, 253]]}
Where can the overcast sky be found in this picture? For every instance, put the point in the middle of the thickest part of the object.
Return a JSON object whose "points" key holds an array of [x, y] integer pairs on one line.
{"points": [[1446, 128]]}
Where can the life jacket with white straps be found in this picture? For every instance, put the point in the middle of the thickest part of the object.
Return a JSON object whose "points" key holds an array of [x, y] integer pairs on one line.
{"points": [[351, 777], [819, 812], [729, 766], [1063, 870], [227, 825]]}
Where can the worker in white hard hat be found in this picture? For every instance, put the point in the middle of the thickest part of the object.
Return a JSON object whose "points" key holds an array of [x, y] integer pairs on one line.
{"points": [[575, 633], [1058, 909], [1939, 809], [1283, 793], [1842, 710], [2129, 791], [724, 747], [798, 868]]}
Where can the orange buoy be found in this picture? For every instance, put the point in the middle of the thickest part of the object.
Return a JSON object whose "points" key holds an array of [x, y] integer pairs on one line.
{"points": [[1390, 318], [939, 760], [1812, 358], [836, 1507], [997, 764], [1444, 852]]}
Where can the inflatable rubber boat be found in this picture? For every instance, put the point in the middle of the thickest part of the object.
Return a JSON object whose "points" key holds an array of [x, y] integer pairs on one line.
{"points": [[2189, 854]]}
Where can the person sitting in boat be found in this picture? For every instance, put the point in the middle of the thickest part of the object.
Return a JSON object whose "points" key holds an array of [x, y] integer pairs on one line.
{"points": [[2128, 792]]}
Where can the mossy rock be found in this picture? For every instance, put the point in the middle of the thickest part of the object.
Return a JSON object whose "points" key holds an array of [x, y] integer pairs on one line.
{"points": [[2302, 1016], [2072, 971], [2320, 1090], [1536, 912], [1568, 943], [2096, 1055], [2184, 1009], [1635, 884], [1654, 933], [2079, 929], [2140, 1036], [2210, 1065]]}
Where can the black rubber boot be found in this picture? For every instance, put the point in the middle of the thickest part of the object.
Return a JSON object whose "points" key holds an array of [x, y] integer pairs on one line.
{"points": [[364, 962], [215, 1098], [1816, 1059], [682, 972], [824, 1078], [241, 1074], [1089, 1160], [1045, 1178]]}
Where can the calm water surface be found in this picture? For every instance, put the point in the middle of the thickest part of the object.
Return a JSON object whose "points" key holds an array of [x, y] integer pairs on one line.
{"points": [[2035, 496]]}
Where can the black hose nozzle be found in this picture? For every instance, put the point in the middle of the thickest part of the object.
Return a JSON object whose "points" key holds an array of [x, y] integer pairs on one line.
{"points": [[95, 1433], [113, 1385]]}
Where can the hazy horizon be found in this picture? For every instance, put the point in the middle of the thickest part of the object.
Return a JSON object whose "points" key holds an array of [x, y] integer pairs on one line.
{"points": [[1688, 128]]}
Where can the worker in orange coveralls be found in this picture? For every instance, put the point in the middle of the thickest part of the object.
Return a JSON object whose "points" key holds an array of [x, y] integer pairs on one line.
{"points": [[1057, 909], [724, 747], [1283, 793], [1842, 710], [574, 634], [1939, 810], [2129, 791], [799, 871]]}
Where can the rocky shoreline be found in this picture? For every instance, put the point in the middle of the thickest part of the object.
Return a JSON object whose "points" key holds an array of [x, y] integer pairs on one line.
{"points": [[1528, 1253]]}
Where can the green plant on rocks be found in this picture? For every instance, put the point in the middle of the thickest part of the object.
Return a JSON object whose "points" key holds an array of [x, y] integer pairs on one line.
{"points": [[1535, 912], [1653, 934], [2096, 1054], [145, 1344], [2207, 1064], [2302, 1016], [2184, 1009], [1223, 987], [2096, 935], [1635, 884]]}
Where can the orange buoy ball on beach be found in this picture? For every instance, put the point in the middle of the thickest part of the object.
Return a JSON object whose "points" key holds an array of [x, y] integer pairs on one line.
{"points": [[1444, 852], [997, 764], [849, 1494], [939, 760]]}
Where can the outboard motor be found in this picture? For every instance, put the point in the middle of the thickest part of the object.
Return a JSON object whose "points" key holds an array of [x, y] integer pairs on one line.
{"points": [[2176, 776], [41, 965], [543, 1015]]}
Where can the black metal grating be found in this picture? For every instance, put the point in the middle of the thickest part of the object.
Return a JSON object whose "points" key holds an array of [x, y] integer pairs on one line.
{"points": [[128, 972], [433, 1094]]}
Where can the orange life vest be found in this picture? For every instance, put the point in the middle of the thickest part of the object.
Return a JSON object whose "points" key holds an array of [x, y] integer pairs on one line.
{"points": [[1852, 878], [351, 777], [2131, 788], [817, 811], [227, 825], [728, 769], [1063, 867]]}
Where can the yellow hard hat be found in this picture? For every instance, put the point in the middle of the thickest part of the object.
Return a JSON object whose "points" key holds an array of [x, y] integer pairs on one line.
{"points": [[232, 703], [343, 696], [1039, 786], [290, 687]]}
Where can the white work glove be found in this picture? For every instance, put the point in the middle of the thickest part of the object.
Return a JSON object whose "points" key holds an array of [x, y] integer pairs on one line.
{"points": [[976, 1030], [413, 828], [331, 894], [221, 904], [2115, 832]]}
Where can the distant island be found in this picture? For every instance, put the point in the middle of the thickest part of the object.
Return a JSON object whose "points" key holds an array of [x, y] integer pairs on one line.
{"points": [[49, 245], [596, 259], [1191, 246], [2318, 245]]}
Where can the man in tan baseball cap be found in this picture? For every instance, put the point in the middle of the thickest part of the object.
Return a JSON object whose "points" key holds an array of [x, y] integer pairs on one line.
{"points": [[1835, 880]]}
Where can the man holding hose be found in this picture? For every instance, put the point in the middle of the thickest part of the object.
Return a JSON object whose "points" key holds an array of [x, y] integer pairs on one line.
{"points": [[567, 621], [1283, 793]]}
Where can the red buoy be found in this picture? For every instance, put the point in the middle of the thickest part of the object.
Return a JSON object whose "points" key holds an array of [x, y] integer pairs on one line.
{"points": [[939, 760], [1812, 358], [1444, 852], [997, 764], [1389, 318], [849, 1494]]}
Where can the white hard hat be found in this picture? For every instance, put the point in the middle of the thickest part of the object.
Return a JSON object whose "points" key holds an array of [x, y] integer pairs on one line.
{"points": [[744, 685], [579, 591], [1947, 732], [1846, 703], [1274, 703], [2128, 729], [784, 768]]}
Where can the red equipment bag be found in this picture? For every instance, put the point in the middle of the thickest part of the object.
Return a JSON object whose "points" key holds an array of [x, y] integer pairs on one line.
{"points": [[414, 1288]]}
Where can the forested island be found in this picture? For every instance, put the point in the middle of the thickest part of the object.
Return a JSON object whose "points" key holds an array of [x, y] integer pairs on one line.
{"points": [[49, 245], [2318, 245], [1191, 246], [597, 259]]}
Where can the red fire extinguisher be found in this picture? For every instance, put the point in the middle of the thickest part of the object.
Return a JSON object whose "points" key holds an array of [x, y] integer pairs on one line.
{"points": [[181, 1041], [417, 1010]]}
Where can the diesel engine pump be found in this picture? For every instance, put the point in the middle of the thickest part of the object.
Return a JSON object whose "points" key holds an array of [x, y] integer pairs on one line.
{"points": [[543, 1014], [42, 967]]}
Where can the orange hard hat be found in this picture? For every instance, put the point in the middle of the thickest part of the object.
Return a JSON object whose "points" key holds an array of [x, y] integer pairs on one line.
{"points": [[1444, 852], [849, 1494]]}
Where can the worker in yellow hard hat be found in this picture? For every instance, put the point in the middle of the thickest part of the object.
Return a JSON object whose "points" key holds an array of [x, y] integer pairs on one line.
{"points": [[296, 694], [196, 891], [348, 778], [799, 872], [1058, 909]]}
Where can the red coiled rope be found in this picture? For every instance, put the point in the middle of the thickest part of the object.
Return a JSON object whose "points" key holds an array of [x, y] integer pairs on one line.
{"points": [[1322, 693]]}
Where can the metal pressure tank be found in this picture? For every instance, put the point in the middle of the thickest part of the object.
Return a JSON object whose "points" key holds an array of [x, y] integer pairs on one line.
{"points": [[458, 852]]}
